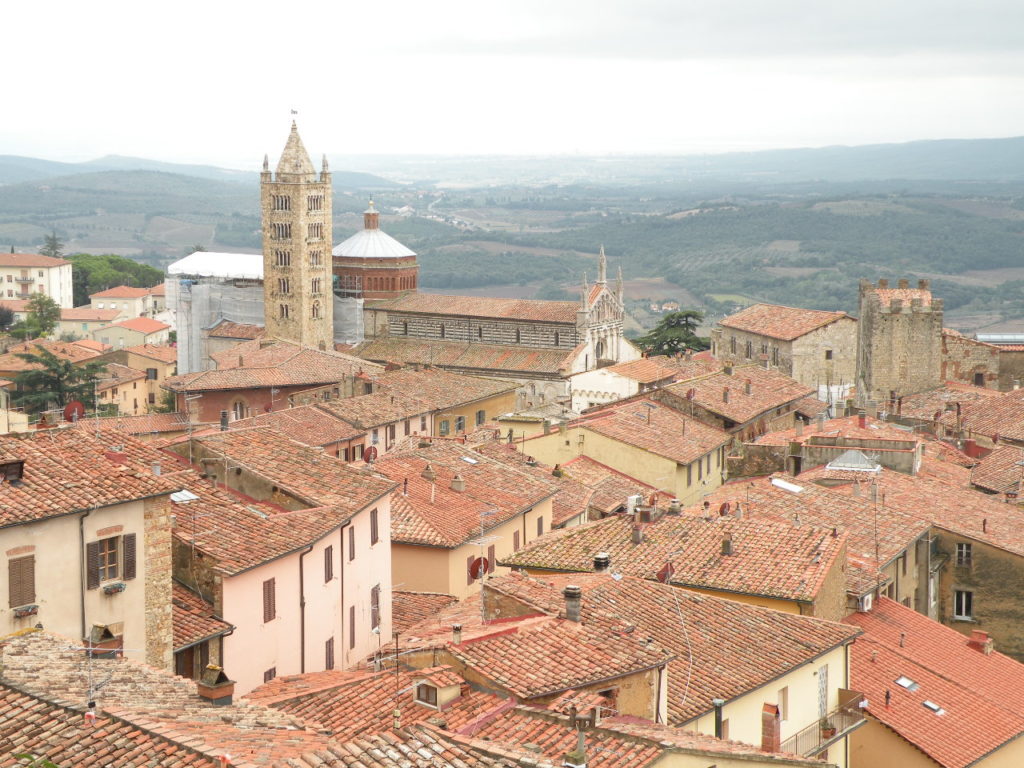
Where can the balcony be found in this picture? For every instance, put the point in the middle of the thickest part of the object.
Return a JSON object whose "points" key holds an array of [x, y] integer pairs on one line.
{"points": [[24, 279], [820, 735]]}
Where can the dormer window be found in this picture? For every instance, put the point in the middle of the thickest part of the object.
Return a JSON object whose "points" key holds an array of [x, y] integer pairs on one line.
{"points": [[12, 471], [426, 694]]}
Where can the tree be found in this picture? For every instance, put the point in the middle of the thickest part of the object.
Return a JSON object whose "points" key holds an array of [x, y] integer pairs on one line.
{"points": [[97, 272], [194, 249], [52, 246], [54, 381], [6, 317], [676, 332], [43, 314]]}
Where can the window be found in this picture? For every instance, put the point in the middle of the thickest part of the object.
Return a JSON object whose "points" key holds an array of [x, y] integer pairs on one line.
{"points": [[479, 332], [423, 423], [375, 607], [963, 604], [460, 424], [391, 432], [315, 231], [828, 354], [351, 626], [519, 336], [351, 544], [282, 203], [515, 541], [329, 565], [315, 203], [426, 694], [314, 311], [405, 328], [783, 702], [963, 555], [284, 285], [151, 374], [315, 285], [375, 437], [40, 273], [152, 398], [269, 601], [21, 581], [442, 330], [481, 417], [283, 258], [749, 350], [270, 674], [329, 654], [284, 311], [689, 475], [443, 427], [374, 533], [775, 355], [314, 258], [282, 231], [110, 558], [540, 526], [407, 427]]}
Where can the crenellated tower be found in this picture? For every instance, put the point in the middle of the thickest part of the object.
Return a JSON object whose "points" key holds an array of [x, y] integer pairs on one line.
{"points": [[297, 230]]}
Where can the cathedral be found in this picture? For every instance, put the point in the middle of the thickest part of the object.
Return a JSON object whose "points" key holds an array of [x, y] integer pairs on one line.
{"points": [[538, 343]]}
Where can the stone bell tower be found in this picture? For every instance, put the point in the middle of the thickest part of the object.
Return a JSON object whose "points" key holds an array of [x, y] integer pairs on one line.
{"points": [[298, 299]]}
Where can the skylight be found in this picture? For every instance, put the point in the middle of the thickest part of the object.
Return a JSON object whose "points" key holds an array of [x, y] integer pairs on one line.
{"points": [[785, 485], [183, 496], [907, 683], [934, 707], [469, 460]]}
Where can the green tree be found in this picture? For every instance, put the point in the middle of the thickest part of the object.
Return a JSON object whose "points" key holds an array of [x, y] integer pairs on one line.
{"points": [[194, 249], [43, 314], [6, 317], [55, 382], [92, 273], [676, 332], [52, 246], [168, 403]]}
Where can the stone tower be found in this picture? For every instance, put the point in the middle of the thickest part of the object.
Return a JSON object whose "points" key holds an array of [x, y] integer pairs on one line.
{"points": [[899, 341], [297, 284]]}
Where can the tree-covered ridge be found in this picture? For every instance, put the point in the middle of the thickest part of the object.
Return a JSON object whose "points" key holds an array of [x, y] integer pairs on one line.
{"points": [[91, 273]]}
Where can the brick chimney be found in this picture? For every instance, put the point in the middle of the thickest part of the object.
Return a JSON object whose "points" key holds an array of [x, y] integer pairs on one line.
{"points": [[727, 369], [980, 641], [215, 686], [771, 738], [746, 386], [727, 544], [456, 634], [573, 597], [638, 534], [428, 474], [862, 419]]}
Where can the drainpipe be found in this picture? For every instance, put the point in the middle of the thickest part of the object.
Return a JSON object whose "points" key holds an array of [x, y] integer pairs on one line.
{"points": [[82, 573], [302, 613], [342, 647]]}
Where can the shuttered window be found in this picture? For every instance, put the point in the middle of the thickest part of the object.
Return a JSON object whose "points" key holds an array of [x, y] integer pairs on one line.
{"points": [[540, 526], [351, 543], [469, 570], [329, 654], [115, 557], [374, 533], [21, 574], [108, 558], [375, 607], [270, 674], [92, 565], [351, 626], [490, 559], [269, 601], [128, 551], [329, 563], [515, 541]]}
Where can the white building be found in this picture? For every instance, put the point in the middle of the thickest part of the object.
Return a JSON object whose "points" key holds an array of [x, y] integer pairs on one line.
{"points": [[24, 274]]}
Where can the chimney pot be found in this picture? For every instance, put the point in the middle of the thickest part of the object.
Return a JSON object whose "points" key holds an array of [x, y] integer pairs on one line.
{"points": [[602, 562], [727, 545], [573, 598], [456, 634], [458, 484], [638, 534], [428, 474], [727, 369], [675, 507], [725, 394], [215, 686], [799, 428], [746, 386], [223, 421], [862, 419]]}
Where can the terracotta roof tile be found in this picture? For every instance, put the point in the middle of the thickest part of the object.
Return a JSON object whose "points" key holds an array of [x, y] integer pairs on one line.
{"points": [[193, 617], [30, 260], [74, 353], [463, 356], [980, 694], [227, 329], [314, 425], [408, 608], [121, 292], [769, 558], [779, 322], [116, 375], [477, 306], [441, 390], [1000, 471], [145, 424], [769, 389], [648, 370], [1001, 415], [163, 353], [925, 405], [906, 295], [92, 345], [145, 325], [87, 313], [160, 289], [376, 409]]}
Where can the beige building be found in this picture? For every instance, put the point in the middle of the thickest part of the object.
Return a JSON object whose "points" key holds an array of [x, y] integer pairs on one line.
{"points": [[80, 322], [25, 274], [157, 362], [122, 390], [129, 302], [816, 348], [133, 332], [297, 231]]}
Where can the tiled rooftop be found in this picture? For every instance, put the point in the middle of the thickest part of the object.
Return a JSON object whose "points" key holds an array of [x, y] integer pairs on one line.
{"points": [[87, 313], [408, 608], [313, 425], [925, 405], [145, 424], [440, 516], [117, 375], [478, 306], [648, 370], [74, 353], [769, 558], [847, 427], [442, 389], [163, 353], [30, 260], [906, 295], [1001, 415], [473, 357], [71, 470], [655, 427], [226, 329], [145, 325], [376, 409], [981, 695], [1000, 471], [120, 292], [194, 619], [769, 389], [779, 322]]}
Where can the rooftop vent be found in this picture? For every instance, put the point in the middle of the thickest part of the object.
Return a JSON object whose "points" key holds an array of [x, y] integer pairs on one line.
{"points": [[458, 484], [602, 562], [573, 597], [428, 474], [12, 471]]}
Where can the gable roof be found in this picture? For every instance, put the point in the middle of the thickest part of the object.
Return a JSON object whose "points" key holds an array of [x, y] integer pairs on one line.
{"points": [[528, 310], [925, 405], [145, 325], [1001, 415], [120, 292], [228, 329], [409, 608], [193, 618], [1001, 470], [313, 425], [161, 352], [74, 353], [88, 314], [769, 389], [462, 355], [30, 260], [779, 322], [648, 370], [441, 390], [981, 695]]}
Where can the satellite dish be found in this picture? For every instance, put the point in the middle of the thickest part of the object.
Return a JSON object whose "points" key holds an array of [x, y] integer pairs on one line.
{"points": [[724, 509], [73, 411], [370, 454], [478, 568]]}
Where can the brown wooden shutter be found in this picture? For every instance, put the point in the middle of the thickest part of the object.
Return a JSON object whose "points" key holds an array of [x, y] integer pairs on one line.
{"points": [[490, 559], [515, 541], [92, 565], [351, 543], [351, 626], [375, 607], [21, 574], [329, 654], [540, 526], [269, 601], [128, 548], [469, 570]]}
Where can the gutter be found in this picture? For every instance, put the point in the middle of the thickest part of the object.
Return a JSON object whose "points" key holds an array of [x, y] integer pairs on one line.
{"points": [[82, 570], [302, 613]]}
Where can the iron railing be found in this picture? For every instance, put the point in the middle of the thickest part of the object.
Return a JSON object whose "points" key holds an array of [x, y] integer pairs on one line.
{"points": [[821, 734]]}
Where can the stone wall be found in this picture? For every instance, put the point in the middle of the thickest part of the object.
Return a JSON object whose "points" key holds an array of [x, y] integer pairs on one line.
{"points": [[730, 345], [483, 330], [159, 568], [970, 361], [826, 358], [1011, 368]]}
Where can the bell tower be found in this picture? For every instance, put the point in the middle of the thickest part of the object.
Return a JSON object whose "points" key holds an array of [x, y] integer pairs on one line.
{"points": [[295, 201]]}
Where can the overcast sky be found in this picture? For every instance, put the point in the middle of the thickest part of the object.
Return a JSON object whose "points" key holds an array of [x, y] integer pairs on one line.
{"points": [[215, 81]]}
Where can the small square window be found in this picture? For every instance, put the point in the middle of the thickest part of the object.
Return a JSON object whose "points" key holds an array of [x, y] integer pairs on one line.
{"points": [[828, 354]]}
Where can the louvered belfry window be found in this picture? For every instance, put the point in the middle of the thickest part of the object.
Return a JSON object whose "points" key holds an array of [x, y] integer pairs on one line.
{"points": [[21, 575]]}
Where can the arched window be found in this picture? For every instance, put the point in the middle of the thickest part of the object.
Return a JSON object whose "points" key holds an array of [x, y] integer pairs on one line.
{"points": [[238, 409], [315, 310], [557, 338]]}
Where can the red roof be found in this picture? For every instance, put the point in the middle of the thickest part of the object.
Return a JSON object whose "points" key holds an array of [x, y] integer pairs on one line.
{"points": [[30, 260], [146, 325], [121, 292], [160, 289], [194, 619], [88, 314], [981, 695], [529, 310], [768, 390], [161, 352], [779, 322]]}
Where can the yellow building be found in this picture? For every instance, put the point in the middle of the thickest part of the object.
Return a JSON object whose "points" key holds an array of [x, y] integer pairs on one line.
{"points": [[80, 322], [643, 439], [455, 507], [158, 362]]}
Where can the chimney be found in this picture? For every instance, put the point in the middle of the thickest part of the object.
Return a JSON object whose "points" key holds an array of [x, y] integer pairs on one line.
{"points": [[980, 641], [156, 468], [862, 419], [458, 484], [725, 394], [883, 283], [223, 421], [727, 369], [903, 639], [771, 740], [727, 544], [674, 507], [428, 474], [547, 427], [214, 686], [984, 525], [821, 421], [746, 386], [718, 704], [573, 597], [578, 757], [638, 534], [874, 492], [602, 562], [799, 428], [456, 634]]}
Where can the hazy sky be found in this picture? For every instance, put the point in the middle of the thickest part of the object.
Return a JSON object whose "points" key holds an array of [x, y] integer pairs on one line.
{"points": [[215, 81]]}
